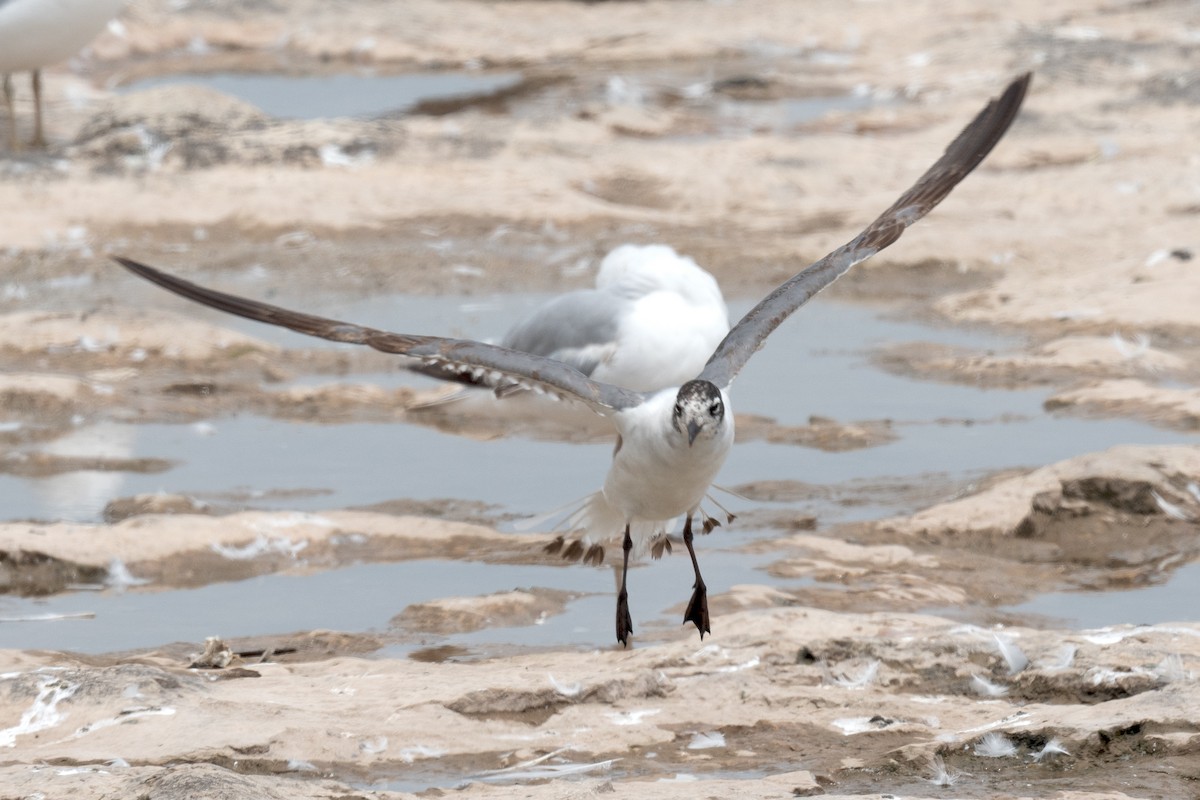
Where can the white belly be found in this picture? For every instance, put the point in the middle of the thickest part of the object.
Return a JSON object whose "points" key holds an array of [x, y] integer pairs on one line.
{"points": [[658, 477], [38, 33]]}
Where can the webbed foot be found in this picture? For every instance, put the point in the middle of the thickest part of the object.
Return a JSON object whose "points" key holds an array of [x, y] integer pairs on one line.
{"points": [[624, 621], [697, 610]]}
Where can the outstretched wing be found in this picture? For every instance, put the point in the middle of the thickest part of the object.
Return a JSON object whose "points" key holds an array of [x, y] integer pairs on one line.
{"points": [[483, 364], [962, 156]]}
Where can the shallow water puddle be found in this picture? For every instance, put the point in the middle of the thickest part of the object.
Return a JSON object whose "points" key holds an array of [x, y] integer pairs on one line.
{"points": [[782, 115], [816, 364], [1172, 601], [345, 95], [716, 99]]}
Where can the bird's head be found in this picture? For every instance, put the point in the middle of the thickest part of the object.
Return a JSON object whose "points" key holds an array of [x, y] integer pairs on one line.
{"points": [[699, 410]]}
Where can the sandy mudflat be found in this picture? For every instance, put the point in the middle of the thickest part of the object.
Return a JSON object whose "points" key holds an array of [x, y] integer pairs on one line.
{"points": [[883, 664]]}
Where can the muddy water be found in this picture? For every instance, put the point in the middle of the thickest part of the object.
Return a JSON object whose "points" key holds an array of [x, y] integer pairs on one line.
{"points": [[342, 95], [729, 97], [816, 364]]}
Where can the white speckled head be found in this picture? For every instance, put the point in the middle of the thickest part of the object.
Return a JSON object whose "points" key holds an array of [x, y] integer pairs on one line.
{"points": [[699, 411]]}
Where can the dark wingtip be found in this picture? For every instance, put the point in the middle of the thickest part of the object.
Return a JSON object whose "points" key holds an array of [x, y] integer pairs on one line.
{"points": [[131, 265]]}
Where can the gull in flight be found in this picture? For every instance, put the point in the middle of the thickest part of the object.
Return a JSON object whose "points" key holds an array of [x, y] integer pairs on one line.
{"points": [[651, 321], [670, 442], [38, 33]]}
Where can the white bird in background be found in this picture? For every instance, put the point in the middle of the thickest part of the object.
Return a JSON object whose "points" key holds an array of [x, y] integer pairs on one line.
{"points": [[38, 33], [670, 442], [651, 321]]}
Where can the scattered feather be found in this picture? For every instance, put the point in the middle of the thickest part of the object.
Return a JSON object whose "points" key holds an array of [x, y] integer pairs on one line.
{"points": [[550, 771], [1012, 654], [1110, 677], [1105, 636], [262, 545], [1076, 313], [850, 726], [749, 664], [120, 719], [1131, 350], [864, 679], [942, 776], [1157, 257], [706, 741], [410, 754], [566, 690], [634, 717], [1066, 656], [1051, 748], [334, 155], [537, 769], [1169, 508], [1171, 669], [995, 745], [374, 746], [709, 651], [120, 578], [983, 686]]}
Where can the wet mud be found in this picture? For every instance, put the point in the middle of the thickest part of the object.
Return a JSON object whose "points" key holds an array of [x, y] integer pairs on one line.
{"points": [[883, 642]]}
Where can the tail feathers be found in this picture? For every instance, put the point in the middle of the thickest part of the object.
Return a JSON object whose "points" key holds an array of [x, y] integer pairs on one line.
{"points": [[595, 525]]}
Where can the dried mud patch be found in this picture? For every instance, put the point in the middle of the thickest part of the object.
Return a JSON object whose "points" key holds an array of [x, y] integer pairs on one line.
{"points": [[1163, 406], [42, 465], [821, 433], [1122, 519], [915, 284], [447, 615], [854, 699], [179, 128], [1121, 370], [186, 550], [28, 573]]}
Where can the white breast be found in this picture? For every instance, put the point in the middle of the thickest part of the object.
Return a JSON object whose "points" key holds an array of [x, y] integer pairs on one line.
{"points": [[656, 475], [38, 33]]}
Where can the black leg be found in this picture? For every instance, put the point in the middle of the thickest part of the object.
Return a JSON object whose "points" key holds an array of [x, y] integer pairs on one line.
{"points": [[697, 607], [14, 143], [624, 621], [39, 140]]}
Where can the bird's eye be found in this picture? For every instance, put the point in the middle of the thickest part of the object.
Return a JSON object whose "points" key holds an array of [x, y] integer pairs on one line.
{"points": [[716, 409]]}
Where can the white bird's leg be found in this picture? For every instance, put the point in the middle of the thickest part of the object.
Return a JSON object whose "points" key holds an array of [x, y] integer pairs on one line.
{"points": [[39, 140], [624, 621], [13, 142], [697, 607]]}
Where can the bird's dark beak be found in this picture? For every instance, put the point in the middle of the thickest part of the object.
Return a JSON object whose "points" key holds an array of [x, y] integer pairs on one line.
{"points": [[693, 429]]}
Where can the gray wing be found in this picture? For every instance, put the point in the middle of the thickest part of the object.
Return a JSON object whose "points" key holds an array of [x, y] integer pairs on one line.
{"points": [[484, 364], [962, 156], [578, 328]]}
